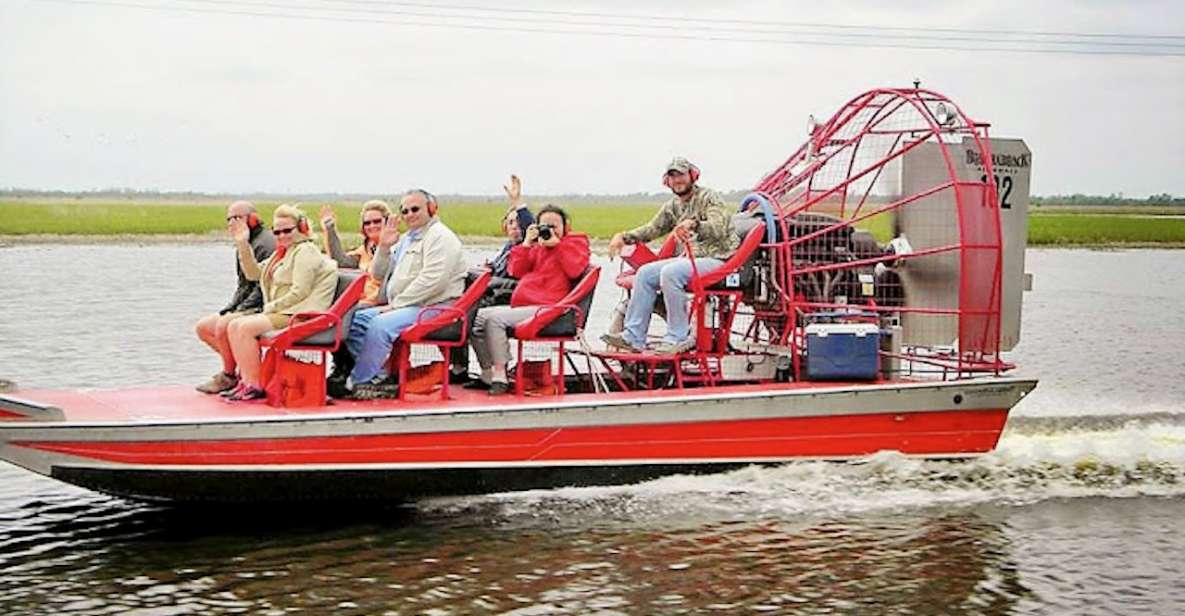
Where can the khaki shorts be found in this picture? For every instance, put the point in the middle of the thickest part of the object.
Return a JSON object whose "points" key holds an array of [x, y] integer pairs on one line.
{"points": [[279, 321]]}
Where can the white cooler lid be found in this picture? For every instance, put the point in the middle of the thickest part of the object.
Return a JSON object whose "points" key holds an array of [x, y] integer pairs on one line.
{"points": [[858, 329]]}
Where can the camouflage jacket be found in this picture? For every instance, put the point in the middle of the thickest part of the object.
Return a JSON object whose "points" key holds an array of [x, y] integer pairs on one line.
{"points": [[714, 235]]}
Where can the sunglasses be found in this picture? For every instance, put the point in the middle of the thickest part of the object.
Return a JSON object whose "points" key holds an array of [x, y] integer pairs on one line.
{"points": [[279, 231], [235, 217], [375, 221], [411, 210]]}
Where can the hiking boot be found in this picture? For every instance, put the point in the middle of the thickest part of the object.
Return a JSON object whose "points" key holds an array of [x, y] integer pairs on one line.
{"points": [[675, 348], [219, 383], [617, 341]]}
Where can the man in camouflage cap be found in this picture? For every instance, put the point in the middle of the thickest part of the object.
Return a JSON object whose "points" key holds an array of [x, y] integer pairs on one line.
{"points": [[695, 214]]}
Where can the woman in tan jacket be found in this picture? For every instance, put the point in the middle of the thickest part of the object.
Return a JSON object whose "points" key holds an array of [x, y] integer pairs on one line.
{"points": [[296, 278]]}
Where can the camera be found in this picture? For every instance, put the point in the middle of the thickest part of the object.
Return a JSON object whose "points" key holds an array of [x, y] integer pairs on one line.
{"points": [[545, 231]]}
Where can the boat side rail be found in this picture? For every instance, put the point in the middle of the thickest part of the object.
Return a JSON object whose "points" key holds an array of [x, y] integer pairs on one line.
{"points": [[13, 408]]}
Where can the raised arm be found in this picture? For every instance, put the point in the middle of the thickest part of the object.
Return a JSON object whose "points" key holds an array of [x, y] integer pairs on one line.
{"points": [[242, 236]]}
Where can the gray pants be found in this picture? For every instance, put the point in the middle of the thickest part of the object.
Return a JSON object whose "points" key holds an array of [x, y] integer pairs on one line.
{"points": [[489, 337]]}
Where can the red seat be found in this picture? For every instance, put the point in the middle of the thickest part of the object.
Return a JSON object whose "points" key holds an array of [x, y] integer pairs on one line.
{"points": [[560, 322], [625, 279], [443, 327], [714, 339], [289, 382], [743, 253]]}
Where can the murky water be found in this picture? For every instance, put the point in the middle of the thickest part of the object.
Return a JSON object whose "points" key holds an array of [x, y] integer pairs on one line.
{"points": [[1081, 509]]}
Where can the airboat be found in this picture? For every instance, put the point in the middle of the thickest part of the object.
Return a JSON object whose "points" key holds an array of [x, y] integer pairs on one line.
{"points": [[877, 286]]}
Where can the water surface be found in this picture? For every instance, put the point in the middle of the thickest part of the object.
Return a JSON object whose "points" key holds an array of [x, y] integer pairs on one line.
{"points": [[1080, 510]]}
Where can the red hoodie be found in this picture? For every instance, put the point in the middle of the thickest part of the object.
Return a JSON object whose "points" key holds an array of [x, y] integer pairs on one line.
{"points": [[546, 275]]}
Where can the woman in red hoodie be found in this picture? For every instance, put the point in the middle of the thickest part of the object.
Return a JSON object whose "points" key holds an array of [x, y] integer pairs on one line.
{"points": [[548, 262]]}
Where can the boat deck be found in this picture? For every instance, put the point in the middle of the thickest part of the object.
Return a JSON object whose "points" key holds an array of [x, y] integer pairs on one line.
{"points": [[182, 402]]}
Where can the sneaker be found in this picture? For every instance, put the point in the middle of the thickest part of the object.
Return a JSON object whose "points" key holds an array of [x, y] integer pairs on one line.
{"points": [[477, 384], [337, 389], [340, 373], [219, 383], [617, 341], [380, 390], [675, 348], [247, 394], [498, 388], [233, 390]]}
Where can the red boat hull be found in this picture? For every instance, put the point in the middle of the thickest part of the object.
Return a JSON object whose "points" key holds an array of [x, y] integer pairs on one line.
{"points": [[456, 449]]}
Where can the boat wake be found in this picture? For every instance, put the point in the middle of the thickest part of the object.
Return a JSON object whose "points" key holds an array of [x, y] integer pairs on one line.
{"points": [[1037, 459]]}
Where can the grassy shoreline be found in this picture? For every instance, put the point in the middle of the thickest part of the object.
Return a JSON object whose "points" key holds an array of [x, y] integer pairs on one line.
{"points": [[91, 221]]}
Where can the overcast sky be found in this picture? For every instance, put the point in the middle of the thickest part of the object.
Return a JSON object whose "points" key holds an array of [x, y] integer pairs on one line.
{"points": [[96, 95]]}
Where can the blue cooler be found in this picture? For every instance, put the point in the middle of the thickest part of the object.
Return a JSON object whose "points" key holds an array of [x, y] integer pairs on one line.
{"points": [[842, 351]]}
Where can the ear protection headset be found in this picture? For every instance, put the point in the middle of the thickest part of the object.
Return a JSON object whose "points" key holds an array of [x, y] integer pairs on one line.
{"points": [[432, 205], [429, 198], [252, 220], [302, 224], [692, 170]]}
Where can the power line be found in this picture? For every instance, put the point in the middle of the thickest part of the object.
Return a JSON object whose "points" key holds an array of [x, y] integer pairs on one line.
{"points": [[797, 24], [819, 40], [353, 7]]}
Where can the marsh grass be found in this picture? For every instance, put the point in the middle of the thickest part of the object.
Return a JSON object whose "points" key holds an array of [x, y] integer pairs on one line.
{"points": [[599, 220]]}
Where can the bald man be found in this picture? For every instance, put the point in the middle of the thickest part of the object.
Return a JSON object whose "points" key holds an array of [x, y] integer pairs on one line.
{"points": [[247, 299]]}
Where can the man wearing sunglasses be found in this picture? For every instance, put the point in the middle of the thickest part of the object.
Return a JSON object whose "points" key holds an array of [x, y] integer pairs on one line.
{"points": [[247, 298], [423, 267]]}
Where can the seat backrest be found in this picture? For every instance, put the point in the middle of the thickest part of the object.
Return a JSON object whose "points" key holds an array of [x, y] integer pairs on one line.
{"points": [[581, 296], [738, 259], [350, 285], [447, 327]]}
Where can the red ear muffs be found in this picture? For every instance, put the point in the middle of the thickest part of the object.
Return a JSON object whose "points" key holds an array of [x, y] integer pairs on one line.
{"points": [[302, 224], [252, 220], [432, 206]]}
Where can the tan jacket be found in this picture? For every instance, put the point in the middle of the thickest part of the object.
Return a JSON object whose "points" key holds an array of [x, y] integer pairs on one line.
{"points": [[432, 269], [303, 280]]}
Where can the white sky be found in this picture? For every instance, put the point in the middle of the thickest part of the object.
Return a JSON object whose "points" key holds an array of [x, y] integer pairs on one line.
{"points": [[105, 96]]}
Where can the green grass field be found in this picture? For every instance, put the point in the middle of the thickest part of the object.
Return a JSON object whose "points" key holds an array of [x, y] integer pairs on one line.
{"points": [[1047, 226], [600, 220]]}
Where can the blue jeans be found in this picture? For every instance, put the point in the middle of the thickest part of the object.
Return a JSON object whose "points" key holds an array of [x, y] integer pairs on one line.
{"points": [[671, 277], [372, 334]]}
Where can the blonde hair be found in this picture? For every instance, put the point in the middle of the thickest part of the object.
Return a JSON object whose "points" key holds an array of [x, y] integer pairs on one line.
{"points": [[292, 212], [376, 205]]}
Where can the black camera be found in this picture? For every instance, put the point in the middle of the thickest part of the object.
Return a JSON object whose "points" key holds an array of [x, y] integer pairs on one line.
{"points": [[545, 231]]}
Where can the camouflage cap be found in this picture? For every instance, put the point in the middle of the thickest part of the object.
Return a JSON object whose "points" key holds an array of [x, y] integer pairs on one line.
{"points": [[680, 164]]}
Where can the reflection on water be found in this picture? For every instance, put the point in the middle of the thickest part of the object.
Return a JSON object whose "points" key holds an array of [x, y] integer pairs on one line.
{"points": [[400, 561], [483, 556], [1078, 511]]}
